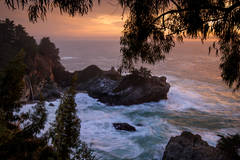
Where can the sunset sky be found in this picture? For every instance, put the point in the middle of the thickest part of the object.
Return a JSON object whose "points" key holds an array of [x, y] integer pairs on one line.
{"points": [[104, 22]]}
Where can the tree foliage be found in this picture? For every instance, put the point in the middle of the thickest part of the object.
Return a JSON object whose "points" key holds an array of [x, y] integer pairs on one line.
{"points": [[37, 118], [66, 127], [66, 131], [48, 48], [230, 145], [25, 139], [13, 38], [11, 86], [42, 58], [154, 26], [141, 72], [15, 142], [39, 8]]}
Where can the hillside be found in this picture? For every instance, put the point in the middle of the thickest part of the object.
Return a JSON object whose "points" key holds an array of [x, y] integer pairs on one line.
{"points": [[43, 68]]}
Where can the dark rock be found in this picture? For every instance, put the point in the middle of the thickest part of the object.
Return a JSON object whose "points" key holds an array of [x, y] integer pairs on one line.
{"points": [[50, 91], [127, 90], [139, 125], [88, 73], [188, 146], [51, 104], [124, 126]]}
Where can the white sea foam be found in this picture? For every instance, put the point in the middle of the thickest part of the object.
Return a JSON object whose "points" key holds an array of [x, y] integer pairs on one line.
{"points": [[159, 121]]}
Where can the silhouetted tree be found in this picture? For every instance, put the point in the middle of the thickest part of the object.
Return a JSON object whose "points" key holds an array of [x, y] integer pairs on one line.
{"points": [[23, 143], [48, 48], [66, 127], [18, 133], [38, 119], [153, 27], [39, 8], [230, 145], [11, 86], [13, 38]]}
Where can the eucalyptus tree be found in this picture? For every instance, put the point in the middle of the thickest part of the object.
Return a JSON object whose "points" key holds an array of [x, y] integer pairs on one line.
{"points": [[154, 26]]}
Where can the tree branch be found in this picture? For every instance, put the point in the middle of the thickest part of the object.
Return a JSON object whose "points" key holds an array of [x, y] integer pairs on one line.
{"points": [[228, 9]]}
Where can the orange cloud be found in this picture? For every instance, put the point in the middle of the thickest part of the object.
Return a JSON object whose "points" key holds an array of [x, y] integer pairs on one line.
{"points": [[101, 22]]}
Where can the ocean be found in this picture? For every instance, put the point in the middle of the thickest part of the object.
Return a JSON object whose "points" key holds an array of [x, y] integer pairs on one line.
{"points": [[198, 101]]}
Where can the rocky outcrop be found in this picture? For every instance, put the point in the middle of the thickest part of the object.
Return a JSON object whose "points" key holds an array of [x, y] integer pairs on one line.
{"points": [[47, 76], [93, 72], [188, 146], [108, 87], [124, 126], [111, 88]]}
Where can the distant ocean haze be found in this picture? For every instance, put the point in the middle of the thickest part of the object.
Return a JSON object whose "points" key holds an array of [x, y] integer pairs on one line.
{"points": [[189, 59], [78, 54]]}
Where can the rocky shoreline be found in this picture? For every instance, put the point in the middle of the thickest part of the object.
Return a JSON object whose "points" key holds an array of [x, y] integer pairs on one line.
{"points": [[45, 76], [109, 87]]}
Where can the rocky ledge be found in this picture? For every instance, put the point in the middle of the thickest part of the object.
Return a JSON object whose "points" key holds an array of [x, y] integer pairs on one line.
{"points": [[188, 146], [111, 88]]}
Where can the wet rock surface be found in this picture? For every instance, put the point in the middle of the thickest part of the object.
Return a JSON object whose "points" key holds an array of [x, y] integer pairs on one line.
{"points": [[124, 126], [111, 88], [188, 146]]}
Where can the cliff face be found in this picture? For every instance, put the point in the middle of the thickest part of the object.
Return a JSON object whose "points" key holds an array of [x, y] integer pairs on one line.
{"points": [[44, 72], [45, 75]]}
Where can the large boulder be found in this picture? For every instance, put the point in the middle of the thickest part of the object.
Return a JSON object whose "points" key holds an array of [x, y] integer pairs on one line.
{"points": [[188, 146], [131, 89]]}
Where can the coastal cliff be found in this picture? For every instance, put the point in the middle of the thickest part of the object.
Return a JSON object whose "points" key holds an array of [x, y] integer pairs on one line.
{"points": [[46, 76]]}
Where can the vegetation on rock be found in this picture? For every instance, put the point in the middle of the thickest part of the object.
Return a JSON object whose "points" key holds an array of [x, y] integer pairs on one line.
{"points": [[42, 61]]}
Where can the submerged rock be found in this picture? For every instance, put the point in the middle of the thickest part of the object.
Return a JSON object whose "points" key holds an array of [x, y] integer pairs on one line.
{"points": [[139, 125], [188, 146], [51, 104], [124, 126]]}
